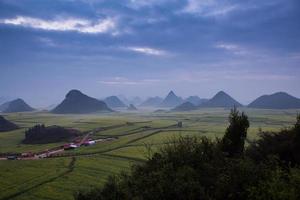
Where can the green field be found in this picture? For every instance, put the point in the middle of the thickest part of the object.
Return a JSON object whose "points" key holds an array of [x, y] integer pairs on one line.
{"points": [[86, 167]]}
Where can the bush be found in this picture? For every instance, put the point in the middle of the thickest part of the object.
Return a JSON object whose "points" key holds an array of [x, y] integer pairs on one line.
{"points": [[280, 185], [284, 144]]}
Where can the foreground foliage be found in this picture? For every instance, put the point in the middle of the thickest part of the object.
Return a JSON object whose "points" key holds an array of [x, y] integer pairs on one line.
{"points": [[285, 145], [199, 168]]}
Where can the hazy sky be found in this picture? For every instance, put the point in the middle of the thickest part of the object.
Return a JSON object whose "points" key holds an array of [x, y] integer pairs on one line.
{"points": [[148, 47]]}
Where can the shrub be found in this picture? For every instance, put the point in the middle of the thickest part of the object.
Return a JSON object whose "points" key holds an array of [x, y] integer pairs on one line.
{"points": [[236, 133], [284, 144]]}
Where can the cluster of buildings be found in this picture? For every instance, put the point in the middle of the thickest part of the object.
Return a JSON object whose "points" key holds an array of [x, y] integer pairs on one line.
{"points": [[76, 145], [57, 150]]}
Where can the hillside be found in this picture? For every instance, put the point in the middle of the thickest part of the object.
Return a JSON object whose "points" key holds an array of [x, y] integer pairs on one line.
{"points": [[3, 100], [17, 105], [131, 107], [114, 102], [187, 106], [171, 100], [4, 106], [195, 100], [221, 99], [79, 103], [6, 125], [130, 100], [41, 134], [152, 102], [279, 100], [135, 100]]}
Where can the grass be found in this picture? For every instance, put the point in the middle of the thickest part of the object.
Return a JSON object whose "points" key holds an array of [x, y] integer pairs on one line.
{"points": [[83, 168]]}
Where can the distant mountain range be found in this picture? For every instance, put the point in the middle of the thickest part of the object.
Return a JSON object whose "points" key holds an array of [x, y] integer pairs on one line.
{"points": [[186, 106], [279, 100], [6, 125], [4, 106], [4, 99], [152, 102], [78, 103], [195, 100], [114, 102], [171, 100], [131, 107], [135, 101], [50, 107], [221, 99], [158, 101], [160, 111], [132, 100], [17, 105]]}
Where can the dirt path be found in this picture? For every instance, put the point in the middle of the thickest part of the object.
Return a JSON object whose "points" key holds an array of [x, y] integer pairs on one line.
{"points": [[47, 154]]}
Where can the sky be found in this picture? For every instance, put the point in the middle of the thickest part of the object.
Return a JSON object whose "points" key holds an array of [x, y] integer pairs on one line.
{"points": [[148, 47]]}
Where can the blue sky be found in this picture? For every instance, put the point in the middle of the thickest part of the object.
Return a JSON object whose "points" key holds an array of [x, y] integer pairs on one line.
{"points": [[148, 47]]}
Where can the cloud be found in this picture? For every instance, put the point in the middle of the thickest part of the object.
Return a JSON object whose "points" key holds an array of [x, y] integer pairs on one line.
{"points": [[233, 48], [209, 8], [118, 81], [147, 51], [295, 56], [136, 4], [259, 77], [221, 8], [199, 76], [126, 81], [47, 41], [107, 25]]}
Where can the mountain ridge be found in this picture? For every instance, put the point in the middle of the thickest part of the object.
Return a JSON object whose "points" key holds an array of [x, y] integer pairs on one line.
{"points": [[195, 100], [76, 102], [152, 102], [171, 100], [114, 102], [278, 100], [186, 106], [17, 105], [131, 107], [221, 99]]}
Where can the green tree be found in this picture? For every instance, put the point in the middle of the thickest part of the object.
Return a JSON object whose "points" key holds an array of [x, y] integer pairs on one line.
{"points": [[284, 144], [236, 133]]}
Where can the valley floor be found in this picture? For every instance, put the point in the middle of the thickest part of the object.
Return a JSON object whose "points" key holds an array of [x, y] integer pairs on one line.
{"points": [[86, 167]]}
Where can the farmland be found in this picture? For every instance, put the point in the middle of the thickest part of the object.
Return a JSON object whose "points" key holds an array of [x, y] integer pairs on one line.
{"points": [[86, 167]]}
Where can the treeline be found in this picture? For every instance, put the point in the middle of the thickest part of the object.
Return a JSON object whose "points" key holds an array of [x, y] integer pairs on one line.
{"points": [[199, 168], [40, 134]]}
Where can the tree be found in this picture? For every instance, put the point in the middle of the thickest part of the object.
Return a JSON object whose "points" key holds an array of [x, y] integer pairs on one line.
{"points": [[285, 145], [236, 133], [297, 124], [296, 145]]}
